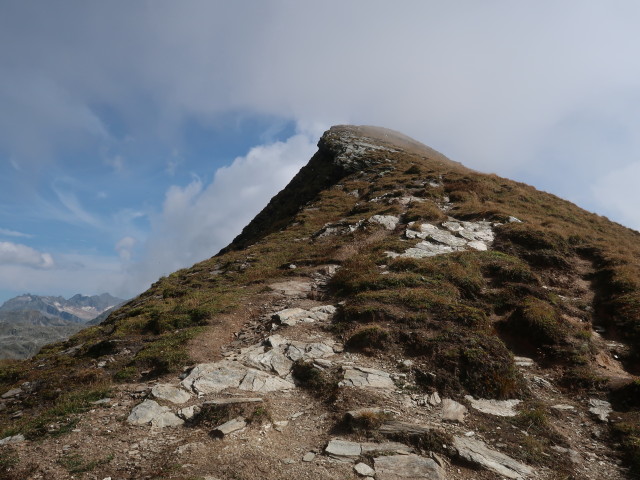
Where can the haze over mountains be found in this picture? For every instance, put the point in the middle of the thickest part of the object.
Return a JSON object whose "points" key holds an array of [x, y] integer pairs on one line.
{"points": [[29, 321]]}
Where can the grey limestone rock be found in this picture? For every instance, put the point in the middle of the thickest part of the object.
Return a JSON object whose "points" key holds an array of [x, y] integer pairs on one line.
{"points": [[14, 392], [257, 381], [292, 288], [150, 412], [214, 377], [389, 222], [600, 409], [364, 470], [170, 393], [188, 413], [477, 453], [453, 411], [19, 438], [229, 427], [409, 467], [343, 450], [366, 377], [500, 408]]}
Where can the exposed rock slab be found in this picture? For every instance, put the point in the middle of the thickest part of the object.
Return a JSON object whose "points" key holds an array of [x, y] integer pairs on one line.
{"points": [[453, 237], [477, 453], [292, 316], [268, 360], [14, 392], [257, 381], [292, 288], [229, 427], [214, 377], [370, 448], [366, 377], [12, 439], [343, 450], [170, 393], [500, 408], [409, 467], [208, 378], [150, 412], [389, 222]]}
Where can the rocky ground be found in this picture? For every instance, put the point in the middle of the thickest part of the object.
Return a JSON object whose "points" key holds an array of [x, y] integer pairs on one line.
{"points": [[246, 415]]}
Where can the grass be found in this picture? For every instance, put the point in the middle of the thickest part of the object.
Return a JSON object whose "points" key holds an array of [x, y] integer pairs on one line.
{"points": [[76, 463], [320, 382], [61, 417], [368, 339]]}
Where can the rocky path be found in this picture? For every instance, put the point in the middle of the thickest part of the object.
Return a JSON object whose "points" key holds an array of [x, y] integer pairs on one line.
{"points": [[242, 413]]}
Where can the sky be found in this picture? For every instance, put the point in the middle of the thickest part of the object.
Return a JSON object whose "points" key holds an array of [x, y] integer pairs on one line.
{"points": [[137, 138]]}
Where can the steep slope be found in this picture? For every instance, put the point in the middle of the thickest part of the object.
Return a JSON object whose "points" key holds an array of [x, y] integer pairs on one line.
{"points": [[389, 313]]}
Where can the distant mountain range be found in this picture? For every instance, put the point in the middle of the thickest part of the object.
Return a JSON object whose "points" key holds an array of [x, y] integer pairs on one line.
{"points": [[28, 322]]}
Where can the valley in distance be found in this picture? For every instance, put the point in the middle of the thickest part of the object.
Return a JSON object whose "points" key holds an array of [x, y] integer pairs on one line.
{"points": [[28, 322]]}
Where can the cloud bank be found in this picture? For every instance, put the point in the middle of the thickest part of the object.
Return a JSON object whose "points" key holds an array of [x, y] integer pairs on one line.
{"points": [[198, 220], [545, 92], [17, 254]]}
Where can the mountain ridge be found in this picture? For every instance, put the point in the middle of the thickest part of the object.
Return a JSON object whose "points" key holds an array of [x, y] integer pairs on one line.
{"points": [[27, 322], [388, 312]]}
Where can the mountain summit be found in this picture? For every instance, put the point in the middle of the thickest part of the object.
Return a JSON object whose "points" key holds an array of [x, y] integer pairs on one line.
{"points": [[389, 314]]}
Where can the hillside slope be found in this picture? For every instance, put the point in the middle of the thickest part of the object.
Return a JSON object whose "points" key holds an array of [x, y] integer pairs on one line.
{"points": [[390, 313]]}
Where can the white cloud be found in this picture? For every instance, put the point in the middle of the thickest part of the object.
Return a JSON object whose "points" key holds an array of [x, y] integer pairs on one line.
{"points": [[13, 233], [18, 254], [619, 191], [124, 247], [484, 82], [197, 220], [74, 211], [540, 91]]}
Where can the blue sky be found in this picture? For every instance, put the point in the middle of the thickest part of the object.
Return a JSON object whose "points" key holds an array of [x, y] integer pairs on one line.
{"points": [[140, 137]]}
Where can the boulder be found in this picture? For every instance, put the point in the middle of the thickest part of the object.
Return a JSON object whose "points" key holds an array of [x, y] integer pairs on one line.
{"points": [[291, 316], [453, 411]]}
